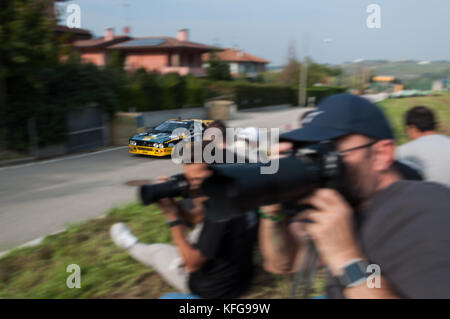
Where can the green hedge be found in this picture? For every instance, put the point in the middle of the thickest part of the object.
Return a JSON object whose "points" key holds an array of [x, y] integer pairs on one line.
{"points": [[254, 95], [318, 92], [321, 92], [247, 95], [150, 91]]}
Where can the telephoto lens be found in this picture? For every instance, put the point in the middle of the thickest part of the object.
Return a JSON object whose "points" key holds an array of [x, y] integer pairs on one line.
{"points": [[236, 188], [176, 185]]}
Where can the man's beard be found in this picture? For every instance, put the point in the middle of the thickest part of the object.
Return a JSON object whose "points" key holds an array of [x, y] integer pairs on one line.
{"points": [[359, 181]]}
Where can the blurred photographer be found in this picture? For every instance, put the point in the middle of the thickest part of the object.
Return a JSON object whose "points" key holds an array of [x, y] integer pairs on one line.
{"points": [[400, 225], [214, 260]]}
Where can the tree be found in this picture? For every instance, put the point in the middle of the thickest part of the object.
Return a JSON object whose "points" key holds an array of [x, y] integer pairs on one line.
{"points": [[317, 73], [115, 60], [291, 72], [321, 73], [35, 85], [218, 70], [27, 46]]}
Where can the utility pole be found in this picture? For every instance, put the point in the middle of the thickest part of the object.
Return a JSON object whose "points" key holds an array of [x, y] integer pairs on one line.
{"points": [[303, 74]]}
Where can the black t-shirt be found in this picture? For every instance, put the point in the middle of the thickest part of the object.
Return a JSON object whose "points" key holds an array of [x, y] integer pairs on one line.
{"points": [[405, 229], [228, 246]]}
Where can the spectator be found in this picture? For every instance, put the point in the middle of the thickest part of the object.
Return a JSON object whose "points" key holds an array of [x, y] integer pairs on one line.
{"points": [[400, 225], [428, 151], [213, 261]]}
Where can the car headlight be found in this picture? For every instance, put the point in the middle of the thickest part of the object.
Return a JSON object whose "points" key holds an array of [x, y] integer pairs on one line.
{"points": [[132, 142], [161, 145]]}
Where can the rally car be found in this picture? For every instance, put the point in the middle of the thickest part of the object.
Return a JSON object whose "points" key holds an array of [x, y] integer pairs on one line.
{"points": [[160, 141]]}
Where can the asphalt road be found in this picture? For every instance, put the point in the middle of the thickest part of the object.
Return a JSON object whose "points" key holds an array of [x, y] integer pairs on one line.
{"points": [[41, 198]]}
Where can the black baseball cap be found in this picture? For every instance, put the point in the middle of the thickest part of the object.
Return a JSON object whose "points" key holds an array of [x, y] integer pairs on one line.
{"points": [[339, 115]]}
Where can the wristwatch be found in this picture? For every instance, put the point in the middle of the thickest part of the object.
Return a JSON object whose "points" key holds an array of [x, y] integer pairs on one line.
{"points": [[355, 273], [174, 223]]}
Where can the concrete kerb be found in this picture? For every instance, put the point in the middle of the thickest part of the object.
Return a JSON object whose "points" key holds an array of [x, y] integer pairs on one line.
{"points": [[31, 243], [37, 241]]}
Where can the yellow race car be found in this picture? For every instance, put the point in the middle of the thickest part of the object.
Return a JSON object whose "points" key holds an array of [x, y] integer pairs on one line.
{"points": [[161, 140]]}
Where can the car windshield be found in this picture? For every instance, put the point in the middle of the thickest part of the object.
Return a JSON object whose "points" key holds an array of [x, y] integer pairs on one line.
{"points": [[169, 126]]}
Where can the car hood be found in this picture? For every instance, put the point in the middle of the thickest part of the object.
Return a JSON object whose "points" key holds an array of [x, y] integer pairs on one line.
{"points": [[157, 137]]}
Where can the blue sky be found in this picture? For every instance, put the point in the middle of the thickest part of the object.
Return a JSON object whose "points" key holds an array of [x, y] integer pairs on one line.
{"points": [[410, 29]]}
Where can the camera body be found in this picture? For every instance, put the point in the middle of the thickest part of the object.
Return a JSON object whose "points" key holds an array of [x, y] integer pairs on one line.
{"points": [[176, 185]]}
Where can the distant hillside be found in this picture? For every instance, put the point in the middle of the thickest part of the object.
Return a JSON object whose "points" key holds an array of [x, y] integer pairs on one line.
{"points": [[413, 74], [403, 70]]}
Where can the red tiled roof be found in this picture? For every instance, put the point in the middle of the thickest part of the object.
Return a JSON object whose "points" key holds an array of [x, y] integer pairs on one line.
{"points": [[233, 55], [168, 43], [100, 42]]}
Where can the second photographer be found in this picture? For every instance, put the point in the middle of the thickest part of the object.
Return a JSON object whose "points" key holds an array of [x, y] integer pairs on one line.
{"points": [[215, 260]]}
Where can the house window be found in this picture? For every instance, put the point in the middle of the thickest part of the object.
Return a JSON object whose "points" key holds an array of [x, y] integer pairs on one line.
{"points": [[175, 59]]}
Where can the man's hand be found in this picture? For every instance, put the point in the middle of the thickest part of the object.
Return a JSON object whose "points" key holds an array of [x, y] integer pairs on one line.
{"points": [[168, 205], [332, 228]]}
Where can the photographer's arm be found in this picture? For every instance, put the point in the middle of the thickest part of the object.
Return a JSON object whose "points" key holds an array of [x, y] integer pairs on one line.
{"points": [[192, 216], [281, 250], [192, 257], [332, 230], [278, 247], [361, 291]]}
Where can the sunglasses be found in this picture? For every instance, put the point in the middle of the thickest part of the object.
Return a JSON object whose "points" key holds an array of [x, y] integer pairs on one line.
{"points": [[358, 147]]}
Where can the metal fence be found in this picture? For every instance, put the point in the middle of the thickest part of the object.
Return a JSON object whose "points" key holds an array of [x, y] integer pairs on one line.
{"points": [[88, 128]]}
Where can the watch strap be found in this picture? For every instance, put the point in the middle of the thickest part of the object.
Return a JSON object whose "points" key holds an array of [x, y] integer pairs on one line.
{"points": [[355, 273]]}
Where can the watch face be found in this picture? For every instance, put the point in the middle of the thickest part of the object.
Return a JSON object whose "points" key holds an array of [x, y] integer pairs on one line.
{"points": [[354, 272]]}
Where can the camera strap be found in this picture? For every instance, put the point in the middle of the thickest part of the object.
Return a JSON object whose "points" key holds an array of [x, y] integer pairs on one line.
{"points": [[304, 277]]}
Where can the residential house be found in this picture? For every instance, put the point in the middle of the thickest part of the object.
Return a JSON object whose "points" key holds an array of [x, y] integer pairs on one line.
{"points": [[95, 50], [241, 63], [161, 54]]}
